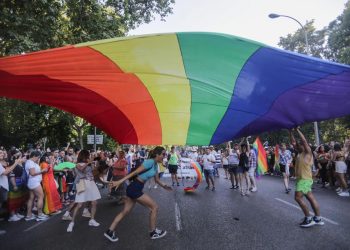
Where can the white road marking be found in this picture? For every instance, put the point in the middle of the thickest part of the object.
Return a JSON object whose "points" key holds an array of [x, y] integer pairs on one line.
{"points": [[178, 217], [297, 207], [36, 225]]}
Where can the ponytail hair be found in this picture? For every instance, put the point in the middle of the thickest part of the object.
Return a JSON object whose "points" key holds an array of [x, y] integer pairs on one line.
{"points": [[156, 151]]}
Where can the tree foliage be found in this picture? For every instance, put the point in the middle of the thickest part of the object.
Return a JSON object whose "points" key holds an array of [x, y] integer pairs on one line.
{"points": [[27, 26], [339, 37], [332, 43]]}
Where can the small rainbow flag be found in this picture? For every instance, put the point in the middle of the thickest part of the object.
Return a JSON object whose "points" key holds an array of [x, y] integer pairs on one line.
{"points": [[261, 157], [277, 157]]}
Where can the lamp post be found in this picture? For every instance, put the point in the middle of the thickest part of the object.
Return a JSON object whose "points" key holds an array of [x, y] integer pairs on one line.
{"points": [[273, 15]]}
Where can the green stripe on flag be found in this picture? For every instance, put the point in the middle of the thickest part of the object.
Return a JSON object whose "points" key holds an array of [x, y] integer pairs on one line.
{"points": [[212, 64]]}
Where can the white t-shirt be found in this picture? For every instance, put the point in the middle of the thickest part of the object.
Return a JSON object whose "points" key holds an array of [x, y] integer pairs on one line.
{"points": [[208, 161], [4, 181], [224, 160], [194, 156], [33, 181], [233, 157]]}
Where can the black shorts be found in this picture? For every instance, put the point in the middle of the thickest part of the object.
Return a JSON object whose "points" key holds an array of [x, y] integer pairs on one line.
{"points": [[172, 169], [225, 167], [232, 168], [282, 168], [134, 190]]}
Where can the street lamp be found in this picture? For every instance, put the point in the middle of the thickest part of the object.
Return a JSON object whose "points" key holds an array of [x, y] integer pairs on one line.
{"points": [[273, 15]]}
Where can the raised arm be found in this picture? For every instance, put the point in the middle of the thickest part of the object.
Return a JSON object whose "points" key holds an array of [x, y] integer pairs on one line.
{"points": [[304, 142], [241, 142], [292, 139], [66, 149], [248, 145]]}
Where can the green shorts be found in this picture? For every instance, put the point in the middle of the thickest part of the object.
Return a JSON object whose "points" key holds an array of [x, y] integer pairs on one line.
{"points": [[303, 186]]}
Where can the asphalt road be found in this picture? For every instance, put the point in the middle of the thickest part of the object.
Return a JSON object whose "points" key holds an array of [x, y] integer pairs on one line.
{"points": [[220, 219]]}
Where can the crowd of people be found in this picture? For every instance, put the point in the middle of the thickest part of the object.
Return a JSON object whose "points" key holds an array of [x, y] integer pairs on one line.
{"points": [[32, 187], [330, 167]]}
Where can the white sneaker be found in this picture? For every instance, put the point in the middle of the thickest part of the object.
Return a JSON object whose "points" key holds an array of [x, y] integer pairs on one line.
{"points": [[344, 194], [42, 217], [155, 186], [338, 190], [14, 218], [86, 213], [33, 217], [70, 227], [254, 189], [20, 216], [93, 223], [67, 216]]}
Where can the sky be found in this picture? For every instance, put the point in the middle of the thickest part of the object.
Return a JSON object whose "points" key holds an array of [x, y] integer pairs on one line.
{"points": [[245, 18]]}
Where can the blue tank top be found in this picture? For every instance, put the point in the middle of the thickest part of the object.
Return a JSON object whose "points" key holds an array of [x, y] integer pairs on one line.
{"points": [[151, 169]]}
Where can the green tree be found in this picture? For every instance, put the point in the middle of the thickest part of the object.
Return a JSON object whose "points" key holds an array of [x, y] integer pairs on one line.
{"points": [[27, 26], [296, 42], [23, 123], [332, 43], [339, 37], [132, 13]]}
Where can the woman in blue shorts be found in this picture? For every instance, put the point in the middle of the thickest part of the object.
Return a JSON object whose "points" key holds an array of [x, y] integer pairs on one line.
{"points": [[146, 171]]}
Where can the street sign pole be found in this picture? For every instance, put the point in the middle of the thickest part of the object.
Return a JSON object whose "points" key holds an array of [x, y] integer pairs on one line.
{"points": [[95, 139]]}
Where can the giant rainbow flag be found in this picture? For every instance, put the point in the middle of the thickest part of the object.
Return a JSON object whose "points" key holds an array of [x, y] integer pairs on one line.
{"points": [[180, 88]]}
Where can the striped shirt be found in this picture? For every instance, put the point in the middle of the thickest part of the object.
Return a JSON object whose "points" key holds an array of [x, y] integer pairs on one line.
{"points": [[217, 158]]}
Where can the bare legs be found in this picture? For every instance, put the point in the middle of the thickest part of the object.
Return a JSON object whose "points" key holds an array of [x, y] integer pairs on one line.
{"points": [[128, 206], [144, 200], [147, 201], [39, 194], [286, 180], [310, 197], [93, 209], [174, 179], [342, 181]]}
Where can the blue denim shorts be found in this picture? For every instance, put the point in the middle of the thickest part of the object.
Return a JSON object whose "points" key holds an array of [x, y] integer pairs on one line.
{"points": [[209, 172], [134, 190]]}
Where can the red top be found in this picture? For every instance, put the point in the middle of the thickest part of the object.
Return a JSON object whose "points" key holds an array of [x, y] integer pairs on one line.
{"points": [[119, 167]]}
